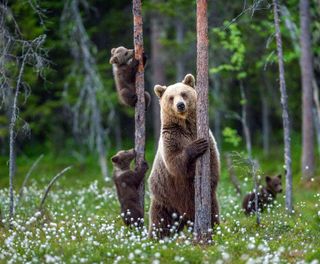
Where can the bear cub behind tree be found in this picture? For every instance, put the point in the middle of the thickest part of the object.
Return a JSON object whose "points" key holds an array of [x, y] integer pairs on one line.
{"points": [[125, 67], [266, 195], [127, 182]]}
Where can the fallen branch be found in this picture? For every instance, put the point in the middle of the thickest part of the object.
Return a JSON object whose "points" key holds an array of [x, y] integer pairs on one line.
{"points": [[54, 179], [34, 165]]}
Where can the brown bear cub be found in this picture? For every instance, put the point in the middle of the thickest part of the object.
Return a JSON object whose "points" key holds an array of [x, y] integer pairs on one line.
{"points": [[127, 182], [266, 195], [125, 67]]}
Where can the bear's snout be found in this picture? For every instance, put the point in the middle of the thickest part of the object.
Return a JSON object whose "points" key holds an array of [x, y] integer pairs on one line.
{"points": [[181, 107]]}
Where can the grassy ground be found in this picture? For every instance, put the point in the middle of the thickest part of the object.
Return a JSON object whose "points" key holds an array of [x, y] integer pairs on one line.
{"points": [[81, 222]]}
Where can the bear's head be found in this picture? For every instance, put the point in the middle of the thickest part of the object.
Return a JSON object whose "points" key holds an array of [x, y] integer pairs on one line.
{"points": [[274, 183], [121, 55], [179, 99], [123, 159]]}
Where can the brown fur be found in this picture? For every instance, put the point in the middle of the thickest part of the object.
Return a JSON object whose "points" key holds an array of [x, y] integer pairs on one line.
{"points": [[172, 177], [127, 183], [125, 67], [266, 195]]}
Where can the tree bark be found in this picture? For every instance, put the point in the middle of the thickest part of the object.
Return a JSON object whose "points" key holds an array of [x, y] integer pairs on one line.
{"points": [[232, 174], [265, 112], [308, 159], [202, 176], [140, 105], [285, 114], [316, 111], [244, 121], [157, 65]]}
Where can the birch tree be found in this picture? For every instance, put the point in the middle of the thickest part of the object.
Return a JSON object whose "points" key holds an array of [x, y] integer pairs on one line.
{"points": [[23, 54], [285, 112], [87, 117], [308, 158]]}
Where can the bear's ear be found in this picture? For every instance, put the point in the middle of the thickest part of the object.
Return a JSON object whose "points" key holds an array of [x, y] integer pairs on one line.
{"points": [[268, 179], [159, 90], [189, 80], [115, 159], [279, 176], [112, 51]]}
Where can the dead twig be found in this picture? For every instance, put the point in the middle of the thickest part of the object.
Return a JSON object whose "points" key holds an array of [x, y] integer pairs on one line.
{"points": [[54, 179], [34, 165]]}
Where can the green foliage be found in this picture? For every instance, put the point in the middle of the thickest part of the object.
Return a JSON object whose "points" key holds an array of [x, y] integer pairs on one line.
{"points": [[231, 41], [231, 136]]}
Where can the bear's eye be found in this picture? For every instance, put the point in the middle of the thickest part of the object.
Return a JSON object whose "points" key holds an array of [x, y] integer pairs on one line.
{"points": [[171, 98], [184, 95], [126, 53]]}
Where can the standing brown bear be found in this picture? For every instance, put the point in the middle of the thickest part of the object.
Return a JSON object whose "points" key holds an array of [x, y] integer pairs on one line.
{"points": [[266, 195], [172, 177], [125, 67], [127, 183]]}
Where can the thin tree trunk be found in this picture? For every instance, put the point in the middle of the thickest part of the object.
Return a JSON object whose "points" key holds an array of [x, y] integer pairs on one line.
{"points": [[308, 159], [180, 65], [12, 159], [140, 105], [117, 134], [202, 176], [285, 114], [265, 112], [158, 67], [244, 121], [232, 174], [316, 111], [254, 167]]}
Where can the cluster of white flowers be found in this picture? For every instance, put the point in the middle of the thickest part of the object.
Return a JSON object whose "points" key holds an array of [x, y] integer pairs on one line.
{"points": [[77, 223]]}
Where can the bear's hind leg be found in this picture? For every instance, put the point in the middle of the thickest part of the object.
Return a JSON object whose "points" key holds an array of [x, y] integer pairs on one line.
{"points": [[128, 97], [161, 221]]}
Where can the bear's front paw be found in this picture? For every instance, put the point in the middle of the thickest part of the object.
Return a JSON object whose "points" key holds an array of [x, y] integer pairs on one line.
{"points": [[197, 148]]}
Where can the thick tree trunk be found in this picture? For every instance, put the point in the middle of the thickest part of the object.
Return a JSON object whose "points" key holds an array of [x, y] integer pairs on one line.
{"points": [[202, 177], [158, 70], [285, 114], [308, 159], [140, 105]]}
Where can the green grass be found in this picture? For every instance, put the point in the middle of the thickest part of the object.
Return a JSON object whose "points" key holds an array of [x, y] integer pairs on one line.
{"points": [[81, 222]]}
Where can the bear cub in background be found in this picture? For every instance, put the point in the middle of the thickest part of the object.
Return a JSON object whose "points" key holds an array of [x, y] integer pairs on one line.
{"points": [[266, 195], [125, 67], [127, 182]]}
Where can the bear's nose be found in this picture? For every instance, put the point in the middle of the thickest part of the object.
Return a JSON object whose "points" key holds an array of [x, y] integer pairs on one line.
{"points": [[180, 107]]}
